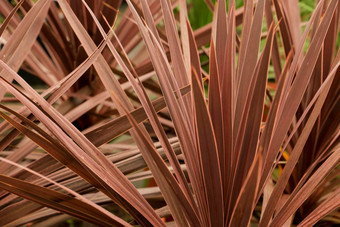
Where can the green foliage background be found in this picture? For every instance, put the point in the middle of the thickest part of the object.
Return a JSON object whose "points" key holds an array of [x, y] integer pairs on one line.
{"points": [[199, 13]]}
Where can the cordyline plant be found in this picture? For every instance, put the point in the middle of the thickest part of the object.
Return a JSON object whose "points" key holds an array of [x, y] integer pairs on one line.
{"points": [[136, 119]]}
